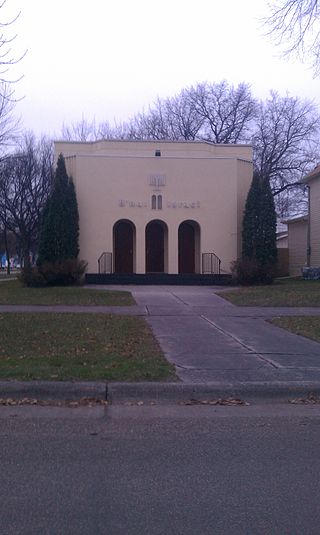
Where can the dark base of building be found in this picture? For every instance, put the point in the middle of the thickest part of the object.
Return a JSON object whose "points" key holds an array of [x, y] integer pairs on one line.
{"points": [[159, 278]]}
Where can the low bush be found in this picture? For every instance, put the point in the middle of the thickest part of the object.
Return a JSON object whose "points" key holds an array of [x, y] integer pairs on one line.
{"points": [[60, 273], [248, 271], [64, 272], [32, 277]]}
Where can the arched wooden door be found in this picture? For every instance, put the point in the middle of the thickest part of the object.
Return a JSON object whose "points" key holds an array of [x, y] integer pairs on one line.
{"points": [[123, 239], [186, 246], [155, 238]]}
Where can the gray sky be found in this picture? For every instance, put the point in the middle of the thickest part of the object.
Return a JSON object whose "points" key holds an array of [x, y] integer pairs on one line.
{"points": [[107, 59]]}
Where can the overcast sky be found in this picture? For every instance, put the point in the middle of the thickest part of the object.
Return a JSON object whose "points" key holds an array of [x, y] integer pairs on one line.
{"points": [[107, 59]]}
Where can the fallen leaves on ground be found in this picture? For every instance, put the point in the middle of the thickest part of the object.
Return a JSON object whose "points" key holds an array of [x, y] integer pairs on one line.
{"points": [[220, 401], [312, 399], [82, 402]]}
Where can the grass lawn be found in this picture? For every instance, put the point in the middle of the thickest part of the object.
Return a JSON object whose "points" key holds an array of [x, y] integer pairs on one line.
{"points": [[80, 346], [285, 292], [13, 293], [5, 276], [308, 326]]}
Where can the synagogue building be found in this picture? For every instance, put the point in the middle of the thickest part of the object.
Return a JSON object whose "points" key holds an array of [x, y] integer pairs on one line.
{"points": [[159, 206]]}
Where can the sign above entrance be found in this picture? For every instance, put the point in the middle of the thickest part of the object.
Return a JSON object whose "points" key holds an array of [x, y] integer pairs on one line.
{"points": [[132, 204], [123, 203], [181, 204]]}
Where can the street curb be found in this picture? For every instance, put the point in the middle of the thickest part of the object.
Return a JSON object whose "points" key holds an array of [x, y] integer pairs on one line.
{"points": [[120, 393], [117, 393], [54, 390]]}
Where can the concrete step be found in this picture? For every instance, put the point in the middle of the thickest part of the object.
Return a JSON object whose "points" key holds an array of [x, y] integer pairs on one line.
{"points": [[159, 278]]}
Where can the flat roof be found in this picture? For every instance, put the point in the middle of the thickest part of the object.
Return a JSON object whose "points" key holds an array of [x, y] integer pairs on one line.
{"points": [[157, 141], [154, 149]]}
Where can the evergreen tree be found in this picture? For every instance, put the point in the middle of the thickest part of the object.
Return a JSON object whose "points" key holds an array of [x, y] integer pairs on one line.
{"points": [[267, 250], [59, 236], [259, 225], [250, 225]]}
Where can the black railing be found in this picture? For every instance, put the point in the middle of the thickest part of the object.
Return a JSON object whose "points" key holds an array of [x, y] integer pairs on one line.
{"points": [[210, 264], [105, 263]]}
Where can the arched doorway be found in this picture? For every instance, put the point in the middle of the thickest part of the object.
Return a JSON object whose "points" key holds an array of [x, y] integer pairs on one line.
{"points": [[156, 247], [189, 247], [124, 246]]}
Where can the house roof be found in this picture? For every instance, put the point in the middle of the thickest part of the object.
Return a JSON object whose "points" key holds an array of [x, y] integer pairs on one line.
{"points": [[296, 219], [282, 236], [315, 173]]}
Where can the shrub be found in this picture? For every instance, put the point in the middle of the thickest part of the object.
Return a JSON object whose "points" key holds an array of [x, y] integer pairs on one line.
{"points": [[32, 277], [63, 272], [60, 273], [249, 271]]}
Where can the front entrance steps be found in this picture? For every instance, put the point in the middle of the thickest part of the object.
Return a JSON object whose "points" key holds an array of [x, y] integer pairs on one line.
{"points": [[159, 278]]}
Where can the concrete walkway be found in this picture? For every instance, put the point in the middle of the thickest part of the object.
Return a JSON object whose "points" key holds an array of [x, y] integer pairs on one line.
{"points": [[209, 339], [212, 341]]}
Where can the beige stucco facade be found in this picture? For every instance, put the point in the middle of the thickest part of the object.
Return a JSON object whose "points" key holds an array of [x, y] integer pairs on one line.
{"points": [[193, 191]]}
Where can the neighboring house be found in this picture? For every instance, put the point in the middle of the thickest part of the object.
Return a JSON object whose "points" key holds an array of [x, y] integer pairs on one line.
{"points": [[159, 206], [282, 240], [313, 245], [298, 244], [304, 231], [283, 251], [282, 235]]}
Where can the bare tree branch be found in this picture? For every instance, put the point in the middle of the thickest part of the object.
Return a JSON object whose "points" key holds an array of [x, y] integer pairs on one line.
{"points": [[25, 182], [295, 26], [226, 111], [285, 141]]}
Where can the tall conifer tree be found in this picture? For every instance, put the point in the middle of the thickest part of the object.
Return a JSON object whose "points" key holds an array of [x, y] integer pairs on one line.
{"points": [[259, 224], [59, 236]]}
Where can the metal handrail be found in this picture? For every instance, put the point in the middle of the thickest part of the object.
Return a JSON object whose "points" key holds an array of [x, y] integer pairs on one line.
{"points": [[211, 264], [105, 263]]}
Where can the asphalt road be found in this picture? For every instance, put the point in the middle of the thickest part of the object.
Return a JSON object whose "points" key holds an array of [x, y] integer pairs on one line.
{"points": [[160, 471]]}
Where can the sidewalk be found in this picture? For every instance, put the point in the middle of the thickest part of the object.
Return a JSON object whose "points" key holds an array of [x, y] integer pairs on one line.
{"points": [[216, 346], [209, 339]]}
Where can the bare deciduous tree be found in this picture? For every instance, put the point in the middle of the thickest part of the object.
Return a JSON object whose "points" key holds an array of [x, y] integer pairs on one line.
{"points": [[226, 111], [85, 130], [7, 245], [295, 25], [172, 118], [9, 124], [218, 113], [118, 131], [186, 123], [285, 144], [79, 131], [152, 124], [7, 58], [25, 183]]}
